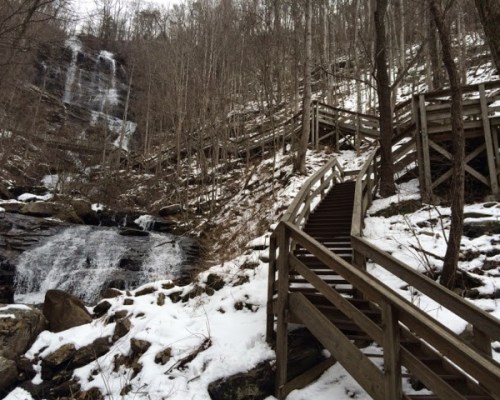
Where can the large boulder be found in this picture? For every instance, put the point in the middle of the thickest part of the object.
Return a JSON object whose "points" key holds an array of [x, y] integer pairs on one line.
{"points": [[64, 311], [50, 209], [41, 209], [83, 210], [19, 327], [257, 383], [8, 375]]}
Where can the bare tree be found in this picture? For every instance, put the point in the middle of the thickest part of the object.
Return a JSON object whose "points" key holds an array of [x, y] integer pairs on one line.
{"points": [[489, 13], [300, 162], [387, 186]]}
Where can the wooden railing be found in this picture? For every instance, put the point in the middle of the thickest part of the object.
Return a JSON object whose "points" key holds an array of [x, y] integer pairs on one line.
{"points": [[485, 327], [401, 320], [310, 194]]}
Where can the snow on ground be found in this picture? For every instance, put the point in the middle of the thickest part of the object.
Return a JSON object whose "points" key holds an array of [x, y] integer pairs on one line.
{"points": [[224, 329]]}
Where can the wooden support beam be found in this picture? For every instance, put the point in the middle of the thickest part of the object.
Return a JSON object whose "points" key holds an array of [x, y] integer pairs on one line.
{"points": [[490, 150], [392, 360], [282, 311]]}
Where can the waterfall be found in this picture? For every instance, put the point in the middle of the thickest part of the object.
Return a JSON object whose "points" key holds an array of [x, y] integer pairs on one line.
{"points": [[84, 260], [97, 89], [75, 45]]}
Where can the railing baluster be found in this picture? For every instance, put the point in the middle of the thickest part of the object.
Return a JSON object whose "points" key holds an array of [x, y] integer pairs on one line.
{"points": [[392, 359], [282, 309], [271, 281]]}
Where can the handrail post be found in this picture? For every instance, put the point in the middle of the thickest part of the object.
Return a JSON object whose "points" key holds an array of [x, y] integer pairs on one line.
{"points": [[392, 359], [481, 341], [282, 310], [271, 281]]}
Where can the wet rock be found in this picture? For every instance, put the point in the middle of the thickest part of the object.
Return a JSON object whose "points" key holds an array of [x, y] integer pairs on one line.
{"points": [[133, 232], [8, 374], [122, 327], [170, 210], [64, 311], [128, 302], [160, 300], [19, 327], [102, 308]]}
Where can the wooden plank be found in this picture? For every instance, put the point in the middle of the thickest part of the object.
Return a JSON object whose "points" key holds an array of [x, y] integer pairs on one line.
{"points": [[427, 180], [391, 345], [490, 150], [351, 358], [308, 377], [365, 323]]}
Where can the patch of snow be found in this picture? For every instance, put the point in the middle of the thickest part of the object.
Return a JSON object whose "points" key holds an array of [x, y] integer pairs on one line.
{"points": [[19, 394], [15, 307], [31, 197], [98, 207]]}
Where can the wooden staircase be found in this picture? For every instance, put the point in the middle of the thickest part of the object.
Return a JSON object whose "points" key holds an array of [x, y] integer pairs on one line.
{"points": [[318, 279]]}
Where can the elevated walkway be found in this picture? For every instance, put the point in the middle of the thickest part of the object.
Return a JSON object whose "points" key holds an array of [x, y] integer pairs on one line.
{"points": [[317, 279]]}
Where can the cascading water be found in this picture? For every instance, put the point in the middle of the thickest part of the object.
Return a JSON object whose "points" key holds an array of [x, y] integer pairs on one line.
{"points": [[84, 260], [94, 86], [75, 46]]}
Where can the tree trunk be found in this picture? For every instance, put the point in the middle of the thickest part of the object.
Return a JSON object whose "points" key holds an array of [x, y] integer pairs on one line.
{"points": [[489, 13], [458, 168], [300, 162], [387, 186]]}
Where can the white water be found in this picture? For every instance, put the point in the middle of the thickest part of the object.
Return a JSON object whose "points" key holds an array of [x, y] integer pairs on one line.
{"points": [[75, 45], [83, 260]]}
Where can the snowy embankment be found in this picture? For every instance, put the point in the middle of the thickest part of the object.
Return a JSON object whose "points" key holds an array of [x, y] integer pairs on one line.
{"points": [[215, 327]]}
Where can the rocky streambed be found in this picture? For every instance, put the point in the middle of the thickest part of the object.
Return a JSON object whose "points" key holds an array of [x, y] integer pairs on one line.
{"points": [[42, 248]]}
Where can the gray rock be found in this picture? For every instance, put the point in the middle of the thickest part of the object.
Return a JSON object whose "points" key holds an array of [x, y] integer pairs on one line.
{"points": [[18, 333], [133, 232], [8, 374], [91, 352], [256, 384], [64, 311], [170, 210], [138, 346], [122, 327], [102, 308], [60, 356]]}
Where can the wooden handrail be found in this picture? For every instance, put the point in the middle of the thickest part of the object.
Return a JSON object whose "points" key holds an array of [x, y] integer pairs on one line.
{"points": [[309, 191], [475, 364]]}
